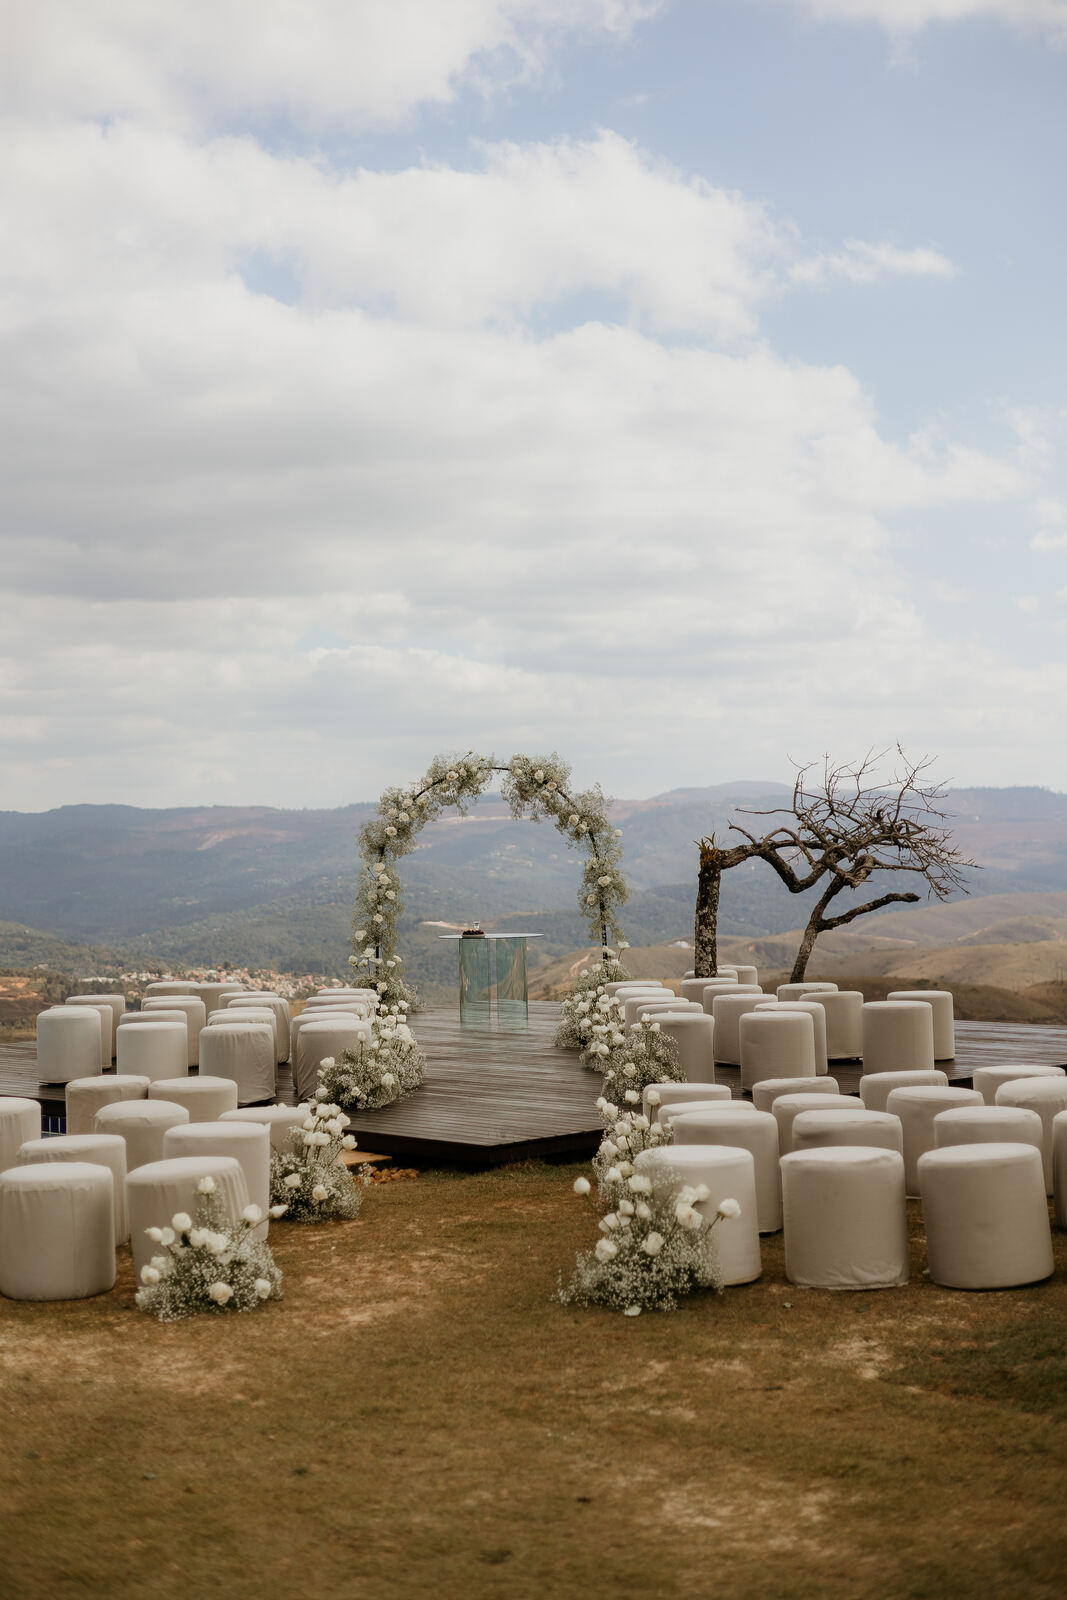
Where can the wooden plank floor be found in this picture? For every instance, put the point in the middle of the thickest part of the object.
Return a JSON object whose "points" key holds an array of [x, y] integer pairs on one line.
{"points": [[494, 1095]]}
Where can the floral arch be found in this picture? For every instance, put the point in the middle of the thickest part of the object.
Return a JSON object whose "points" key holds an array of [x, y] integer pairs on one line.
{"points": [[533, 787]]}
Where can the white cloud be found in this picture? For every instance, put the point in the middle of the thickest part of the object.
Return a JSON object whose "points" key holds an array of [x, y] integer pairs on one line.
{"points": [[1048, 17], [862, 262], [1029, 603], [1052, 534]]}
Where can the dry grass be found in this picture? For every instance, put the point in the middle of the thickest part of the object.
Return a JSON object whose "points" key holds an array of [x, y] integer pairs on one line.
{"points": [[419, 1418]]}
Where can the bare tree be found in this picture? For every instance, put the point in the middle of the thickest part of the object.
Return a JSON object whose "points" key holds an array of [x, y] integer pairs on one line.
{"points": [[714, 861]]}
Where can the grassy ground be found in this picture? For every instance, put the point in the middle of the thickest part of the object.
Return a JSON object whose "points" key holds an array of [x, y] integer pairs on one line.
{"points": [[419, 1418]]}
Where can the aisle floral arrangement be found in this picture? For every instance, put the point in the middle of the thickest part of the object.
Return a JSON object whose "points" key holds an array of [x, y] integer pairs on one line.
{"points": [[311, 1180], [590, 982], [630, 1058], [381, 1069], [211, 1264]]}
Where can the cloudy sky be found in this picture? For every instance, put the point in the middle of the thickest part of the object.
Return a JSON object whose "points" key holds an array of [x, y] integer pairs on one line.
{"points": [[678, 384]]}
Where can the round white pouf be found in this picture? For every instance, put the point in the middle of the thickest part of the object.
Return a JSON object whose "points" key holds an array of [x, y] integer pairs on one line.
{"points": [[986, 1216], [69, 1043], [57, 1231], [741, 1127], [195, 1013], [797, 991], [676, 1093], [204, 1098], [212, 994], [153, 1050], [85, 1096], [940, 1003], [278, 1120], [148, 1019], [787, 1107], [20, 1121], [876, 1087], [817, 1130], [1059, 1166], [339, 997], [247, 1142], [101, 1150], [845, 1218], [143, 1124], [843, 1011], [164, 986], [110, 1020], [898, 1036], [273, 1003], [693, 988], [1046, 1096], [987, 1080], [987, 1125], [694, 1034], [730, 1174], [334, 1015], [747, 974], [628, 983], [776, 1044], [917, 1107], [632, 1003], [316, 1042], [818, 1021], [656, 1008], [715, 991], [766, 1093], [156, 1192], [245, 1052], [727, 1011]]}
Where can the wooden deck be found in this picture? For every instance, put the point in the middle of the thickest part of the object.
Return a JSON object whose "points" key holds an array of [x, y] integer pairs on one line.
{"points": [[493, 1095]]}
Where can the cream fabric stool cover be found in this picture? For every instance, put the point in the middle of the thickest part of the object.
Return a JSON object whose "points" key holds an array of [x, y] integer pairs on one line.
{"points": [[715, 991], [898, 1036], [273, 1003], [875, 1087], [1046, 1096], [100, 1150], [846, 1223], [694, 1034], [153, 1050], [632, 1003], [166, 986], [196, 1017], [797, 991], [212, 994], [57, 1231], [843, 1011], [678, 1093], [787, 1107], [346, 988], [776, 1044], [739, 1126], [109, 1018], [1059, 1166], [818, 1130], [317, 1041], [987, 1080], [987, 1125], [278, 1120], [225, 1018], [748, 975], [340, 997], [244, 1052], [917, 1107], [656, 1008], [629, 983], [143, 1124], [335, 1015], [727, 1011], [147, 1019], [204, 1098], [20, 1121], [248, 1143], [85, 1096], [730, 1174], [69, 1043], [766, 1093], [156, 1191], [693, 988], [818, 1022], [940, 1003], [986, 1216]]}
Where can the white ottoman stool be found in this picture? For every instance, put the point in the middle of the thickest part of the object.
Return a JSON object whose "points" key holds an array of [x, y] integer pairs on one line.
{"points": [[632, 1004], [151, 1019], [240, 1011], [986, 1216], [247, 1142], [987, 1125], [279, 1122], [1059, 1166], [718, 986], [730, 1174], [776, 1044], [630, 983], [195, 1013], [787, 1107], [740, 1127], [57, 1231], [245, 1052], [100, 1150], [844, 1024], [747, 974], [797, 991], [693, 988], [153, 1050], [163, 986], [679, 1093], [274, 1003], [766, 1093], [875, 1130], [143, 1124], [987, 1080], [814, 1010], [156, 1191], [85, 1096], [727, 1011], [898, 1036], [318, 1040], [69, 1044], [876, 1087], [694, 1034], [341, 998], [212, 994], [647, 1007], [108, 1018], [204, 1098], [917, 1107], [940, 1003], [334, 1015], [20, 1121], [845, 1218], [1046, 1096]]}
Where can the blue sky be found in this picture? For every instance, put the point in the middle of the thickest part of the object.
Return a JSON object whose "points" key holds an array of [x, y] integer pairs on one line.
{"points": [[679, 386]]}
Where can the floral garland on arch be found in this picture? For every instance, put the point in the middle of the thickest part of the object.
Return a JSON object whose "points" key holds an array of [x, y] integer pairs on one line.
{"points": [[534, 786]]}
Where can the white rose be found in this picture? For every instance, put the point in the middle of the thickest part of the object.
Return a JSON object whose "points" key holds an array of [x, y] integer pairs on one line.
{"points": [[606, 1249], [390, 894], [639, 1184], [262, 1288], [582, 1186], [643, 1211], [293, 1181], [632, 1096], [320, 1193], [391, 832], [149, 1275], [348, 1142], [220, 1293], [403, 817], [626, 1208], [278, 1211], [181, 1222], [612, 1175], [653, 1244], [155, 1234], [252, 1214], [625, 1168], [603, 882], [206, 1186], [361, 933], [729, 1208], [166, 1236], [539, 776]]}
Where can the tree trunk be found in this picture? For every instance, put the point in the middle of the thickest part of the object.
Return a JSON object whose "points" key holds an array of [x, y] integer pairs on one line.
{"points": [[705, 931], [814, 927]]}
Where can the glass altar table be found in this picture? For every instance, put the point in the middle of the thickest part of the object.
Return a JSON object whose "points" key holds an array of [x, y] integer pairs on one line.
{"points": [[493, 966]]}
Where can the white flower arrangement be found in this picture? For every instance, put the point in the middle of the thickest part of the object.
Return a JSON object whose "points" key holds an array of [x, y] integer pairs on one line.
{"points": [[626, 1134], [311, 1180], [589, 989], [380, 1070], [211, 1264], [630, 1058]]}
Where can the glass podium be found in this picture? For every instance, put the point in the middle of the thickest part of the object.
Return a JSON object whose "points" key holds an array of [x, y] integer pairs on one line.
{"points": [[492, 968]]}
